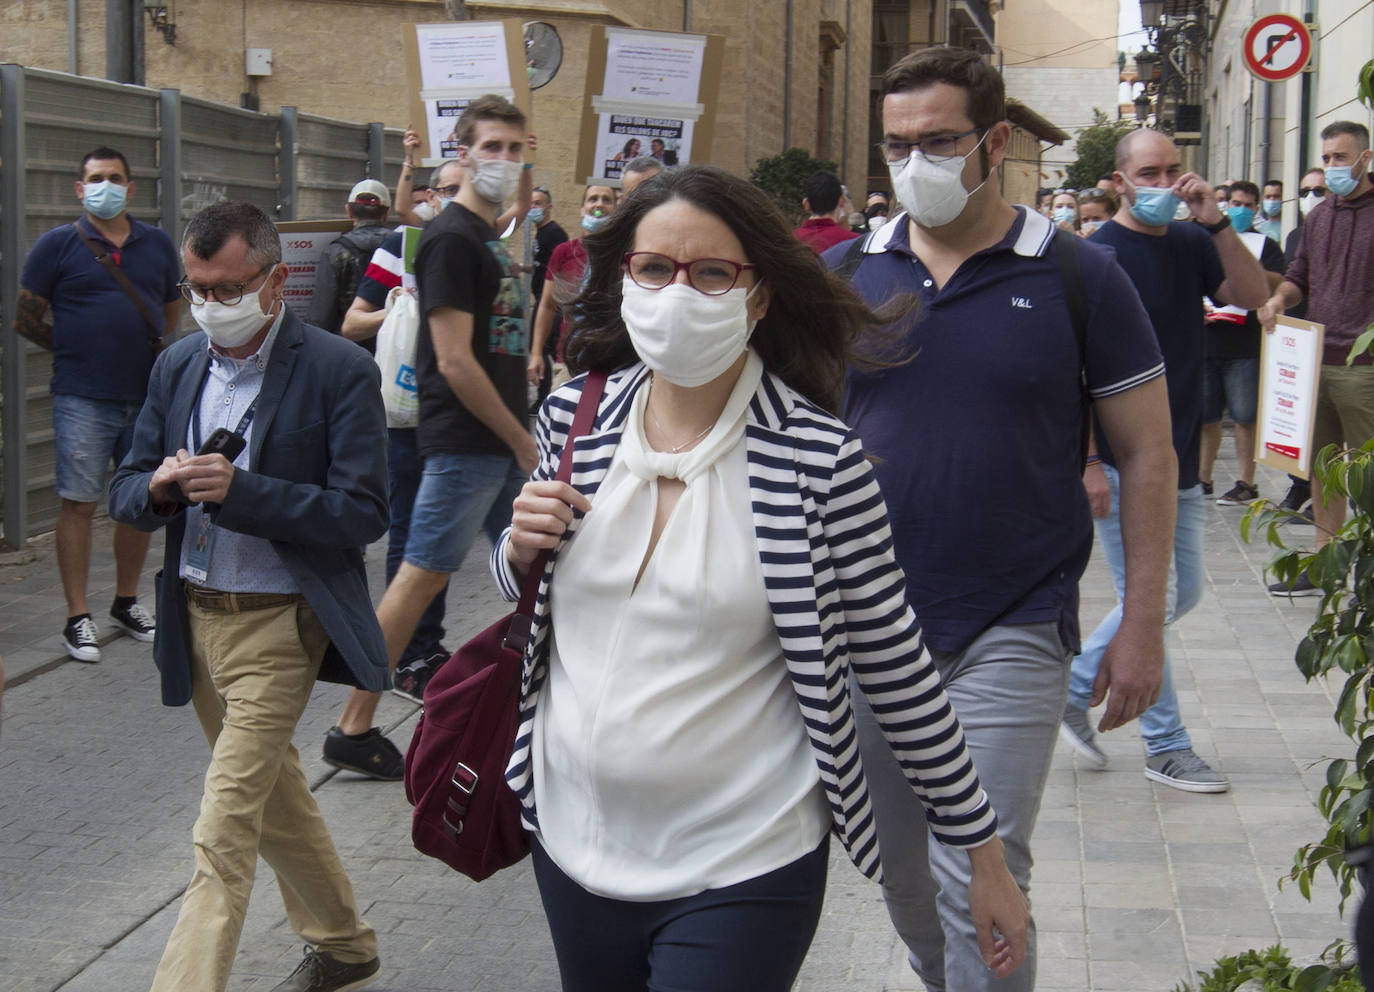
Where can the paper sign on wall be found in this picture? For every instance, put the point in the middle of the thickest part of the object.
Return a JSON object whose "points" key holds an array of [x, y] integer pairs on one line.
{"points": [[302, 244]]}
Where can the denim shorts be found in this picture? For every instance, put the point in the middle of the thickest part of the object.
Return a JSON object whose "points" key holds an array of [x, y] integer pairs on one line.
{"points": [[88, 434], [458, 494], [1230, 384]]}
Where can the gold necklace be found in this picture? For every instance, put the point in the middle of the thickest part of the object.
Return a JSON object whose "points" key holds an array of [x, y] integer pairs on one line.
{"points": [[685, 444]]}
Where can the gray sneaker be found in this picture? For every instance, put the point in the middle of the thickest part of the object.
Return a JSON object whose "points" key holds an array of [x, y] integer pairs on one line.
{"points": [[1183, 769], [1076, 731], [321, 972]]}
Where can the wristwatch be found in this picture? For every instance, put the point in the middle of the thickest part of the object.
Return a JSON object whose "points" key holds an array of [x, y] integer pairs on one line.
{"points": [[1219, 226]]}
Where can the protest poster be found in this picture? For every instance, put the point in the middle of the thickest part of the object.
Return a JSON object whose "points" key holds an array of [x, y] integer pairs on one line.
{"points": [[1290, 368], [449, 65], [302, 244], [647, 93]]}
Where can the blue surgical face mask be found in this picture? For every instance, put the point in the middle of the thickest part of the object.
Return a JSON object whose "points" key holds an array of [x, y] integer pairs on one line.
{"points": [[1153, 206], [1063, 215], [1340, 179], [593, 222], [1242, 218], [536, 215], [1272, 208], [105, 199]]}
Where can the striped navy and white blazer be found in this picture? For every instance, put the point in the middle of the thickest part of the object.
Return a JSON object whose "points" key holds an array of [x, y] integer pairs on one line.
{"points": [[838, 600]]}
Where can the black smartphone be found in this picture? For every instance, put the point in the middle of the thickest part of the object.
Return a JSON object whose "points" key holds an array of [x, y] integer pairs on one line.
{"points": [[223, 442]]}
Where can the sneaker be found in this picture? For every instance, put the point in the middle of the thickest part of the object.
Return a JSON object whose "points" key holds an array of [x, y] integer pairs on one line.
{"points": [[321, 972], [1298, 494], [1241, 494], [1301, 587], [1303, 519], [410, 680], [1206, 489], [82, 638], [1183, 769], [1076, 731], [135, 621], [371, 754]]}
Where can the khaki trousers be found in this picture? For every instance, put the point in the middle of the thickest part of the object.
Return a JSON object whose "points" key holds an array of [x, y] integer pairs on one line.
{"points": [[252, 673]]}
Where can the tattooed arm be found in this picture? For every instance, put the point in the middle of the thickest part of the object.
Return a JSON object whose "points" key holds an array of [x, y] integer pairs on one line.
{"points": [[29, 322]]}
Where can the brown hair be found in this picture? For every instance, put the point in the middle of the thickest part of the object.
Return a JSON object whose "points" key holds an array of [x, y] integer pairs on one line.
{"points": [[806, 338], [961, 67], [487, 107], [1357, 131]]}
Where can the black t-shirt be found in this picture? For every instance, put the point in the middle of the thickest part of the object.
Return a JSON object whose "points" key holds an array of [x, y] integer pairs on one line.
{"points": [[1172, 273], [546, 239], [1230, 340], [462, 264]]}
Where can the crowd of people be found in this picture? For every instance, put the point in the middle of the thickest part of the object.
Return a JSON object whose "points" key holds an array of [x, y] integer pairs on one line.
{"points": [[788, 564]]}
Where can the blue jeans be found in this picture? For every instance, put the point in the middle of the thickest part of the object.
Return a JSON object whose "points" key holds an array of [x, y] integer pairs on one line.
{"points": [[87, 434], [1230, 384], [403, 468], [457, 495], [1161, 725]]}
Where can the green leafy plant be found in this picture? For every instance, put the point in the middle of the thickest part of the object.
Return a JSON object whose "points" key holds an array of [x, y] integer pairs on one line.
{"points": [[1364, 88], [1275, 972], [1096, 150], [783, 177]]}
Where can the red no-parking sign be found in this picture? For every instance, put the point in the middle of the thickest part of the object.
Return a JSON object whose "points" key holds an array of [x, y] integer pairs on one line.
{"points": [[1277, 47]]}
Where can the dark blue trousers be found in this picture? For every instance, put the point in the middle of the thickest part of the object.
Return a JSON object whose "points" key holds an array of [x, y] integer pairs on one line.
{"points": [[747, 937]]}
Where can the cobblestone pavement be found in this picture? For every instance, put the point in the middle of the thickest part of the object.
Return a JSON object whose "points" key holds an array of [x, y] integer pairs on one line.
{"points": [[1136, 885]]}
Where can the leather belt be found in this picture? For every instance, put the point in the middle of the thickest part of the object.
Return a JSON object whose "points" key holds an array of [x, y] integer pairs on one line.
{"points": [[238, 602]]}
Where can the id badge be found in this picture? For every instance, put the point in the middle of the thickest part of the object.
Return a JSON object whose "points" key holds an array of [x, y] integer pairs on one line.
{"points": [[202, 543]]}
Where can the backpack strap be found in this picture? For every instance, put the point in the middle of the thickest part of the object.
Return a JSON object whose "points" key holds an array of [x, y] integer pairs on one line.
{"points": [[1076, 298], [853, 257]]}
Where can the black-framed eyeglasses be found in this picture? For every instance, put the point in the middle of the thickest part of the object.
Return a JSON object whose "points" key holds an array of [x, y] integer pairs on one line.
{"points": [[446, 192], [936, 148], [228, 294], [711, 276], [1319, 190]]}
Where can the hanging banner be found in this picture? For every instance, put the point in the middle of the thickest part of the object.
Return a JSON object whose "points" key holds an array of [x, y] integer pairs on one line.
{"points": [[648, 93], [1290, 368], [302, 244], [450, 65]]}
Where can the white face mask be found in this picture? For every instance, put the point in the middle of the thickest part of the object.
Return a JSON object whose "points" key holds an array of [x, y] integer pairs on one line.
{"points": [[231, 326], [1308, 201], [685, 336], [425, 211], [933, 193], [495, 179]]}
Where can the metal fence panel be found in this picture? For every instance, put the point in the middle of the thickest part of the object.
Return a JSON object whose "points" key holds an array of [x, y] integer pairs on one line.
{"points": [[226, 154], [331, 156]]}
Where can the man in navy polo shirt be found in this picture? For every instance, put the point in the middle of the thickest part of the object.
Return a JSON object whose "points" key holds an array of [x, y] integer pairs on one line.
{"points": [[102, 345], [1173, 265], [977, 440]]}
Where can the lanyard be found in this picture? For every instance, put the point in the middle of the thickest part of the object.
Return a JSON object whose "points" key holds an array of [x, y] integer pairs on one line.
{"points": [[244, 421]]}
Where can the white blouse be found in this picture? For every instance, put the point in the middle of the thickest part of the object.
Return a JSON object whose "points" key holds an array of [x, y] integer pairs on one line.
{"points": [[669, 750]]}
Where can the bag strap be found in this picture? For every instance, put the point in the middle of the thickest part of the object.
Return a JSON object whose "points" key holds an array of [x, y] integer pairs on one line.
{"points": [[853, 256], [1076, 298], [116, 273], [521, 622]]}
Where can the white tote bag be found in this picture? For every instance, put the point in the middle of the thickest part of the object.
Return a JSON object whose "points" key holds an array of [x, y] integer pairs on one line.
{"points": [[396, 359]]}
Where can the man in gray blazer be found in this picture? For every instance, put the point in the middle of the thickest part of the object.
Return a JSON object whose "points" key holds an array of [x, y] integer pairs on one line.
{"points": [[263, 589]]}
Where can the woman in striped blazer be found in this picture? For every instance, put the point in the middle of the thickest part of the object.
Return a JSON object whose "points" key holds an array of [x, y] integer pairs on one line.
{"points": [[722, 579]]}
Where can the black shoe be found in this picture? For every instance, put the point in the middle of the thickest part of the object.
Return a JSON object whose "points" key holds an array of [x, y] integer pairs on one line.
{"points": [[370, 754], [410, 680], [82, 639], [1241, 494], [321, 972], [1206, 489], [1301, 587], [1298, 494], [135, 620]]}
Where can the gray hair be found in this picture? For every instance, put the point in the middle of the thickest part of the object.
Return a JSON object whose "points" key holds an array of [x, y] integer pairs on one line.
{"points": [[208, 231], [644, 163]]}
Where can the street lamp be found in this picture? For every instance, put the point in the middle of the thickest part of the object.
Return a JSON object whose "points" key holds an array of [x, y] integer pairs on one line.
{"points": [[1150, 12], [1142, 107]]}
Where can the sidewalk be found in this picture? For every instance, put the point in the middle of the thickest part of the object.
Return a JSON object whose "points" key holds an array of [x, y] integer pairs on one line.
{"points": [[1136, 885]]}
